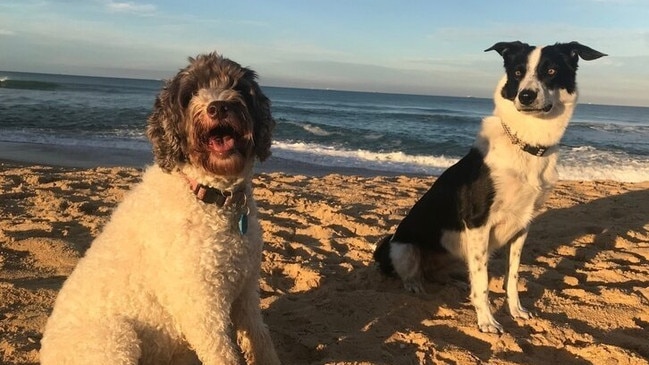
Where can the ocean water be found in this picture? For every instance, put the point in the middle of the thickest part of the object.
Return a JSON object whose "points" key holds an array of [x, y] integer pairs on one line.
{"points": [[386, 132]]}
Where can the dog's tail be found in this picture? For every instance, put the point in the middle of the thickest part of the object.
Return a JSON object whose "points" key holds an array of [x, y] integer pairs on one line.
{"points": [[382, 255]]}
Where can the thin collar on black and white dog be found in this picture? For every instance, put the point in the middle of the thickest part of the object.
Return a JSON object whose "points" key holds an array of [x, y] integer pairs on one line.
{"points": [[537, 151]]}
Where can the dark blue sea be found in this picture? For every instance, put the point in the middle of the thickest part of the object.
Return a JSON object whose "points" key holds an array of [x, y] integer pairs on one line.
{"points": [[386, 132]]}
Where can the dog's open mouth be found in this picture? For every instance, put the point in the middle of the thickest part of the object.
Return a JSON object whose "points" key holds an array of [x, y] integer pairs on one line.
{"points": [[222, 140]]}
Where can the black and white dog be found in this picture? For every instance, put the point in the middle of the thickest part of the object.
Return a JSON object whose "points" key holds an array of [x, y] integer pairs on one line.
{"points": [[488, 198]]}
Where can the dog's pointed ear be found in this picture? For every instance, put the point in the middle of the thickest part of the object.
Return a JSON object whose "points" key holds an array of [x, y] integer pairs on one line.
{"points": [[506, 47], [576, 50], [261, 114], [165, 127]]}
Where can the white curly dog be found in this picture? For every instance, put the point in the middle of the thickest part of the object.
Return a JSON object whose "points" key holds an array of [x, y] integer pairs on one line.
{"points": [[173, 277]]}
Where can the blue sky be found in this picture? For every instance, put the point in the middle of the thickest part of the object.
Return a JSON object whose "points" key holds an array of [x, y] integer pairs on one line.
{"points": [[418, 46]]}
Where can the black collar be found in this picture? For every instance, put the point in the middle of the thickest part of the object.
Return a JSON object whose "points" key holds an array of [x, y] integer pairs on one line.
{"points": [[537, 151], [220, 198]]}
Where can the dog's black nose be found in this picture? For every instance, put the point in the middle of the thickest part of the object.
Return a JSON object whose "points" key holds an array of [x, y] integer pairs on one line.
{"points": [[527, 96], [217, 109]]}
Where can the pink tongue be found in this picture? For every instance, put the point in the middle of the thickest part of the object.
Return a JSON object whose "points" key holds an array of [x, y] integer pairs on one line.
{"points": [[221, 144]]}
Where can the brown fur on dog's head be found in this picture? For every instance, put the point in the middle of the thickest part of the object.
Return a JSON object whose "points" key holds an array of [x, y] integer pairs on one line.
{"points": [[212, 114]]}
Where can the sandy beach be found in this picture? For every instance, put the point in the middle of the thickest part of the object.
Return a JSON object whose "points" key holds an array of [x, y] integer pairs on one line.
{"points": [[585, 269]]}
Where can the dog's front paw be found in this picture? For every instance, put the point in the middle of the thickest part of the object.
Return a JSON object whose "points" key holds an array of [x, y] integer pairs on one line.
{"points": [[519, 311], [490, 325]]}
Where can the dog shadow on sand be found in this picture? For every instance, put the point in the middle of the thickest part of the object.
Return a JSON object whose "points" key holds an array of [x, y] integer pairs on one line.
{"points": [[601, 259], [352, 314]]}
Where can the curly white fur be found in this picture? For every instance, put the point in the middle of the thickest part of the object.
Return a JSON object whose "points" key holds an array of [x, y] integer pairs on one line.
{"points": [[170, 280]]}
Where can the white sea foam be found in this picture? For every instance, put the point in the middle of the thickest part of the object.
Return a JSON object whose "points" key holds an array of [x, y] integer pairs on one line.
{"points": [[315, 130], [588, 163], [398, 162], [617, 173], [580, 163]]}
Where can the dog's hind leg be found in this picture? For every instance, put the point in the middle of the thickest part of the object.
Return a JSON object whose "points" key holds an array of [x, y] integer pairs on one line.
{"points": [[515, 308], [406, 259], [476, 250], [111, 341]]}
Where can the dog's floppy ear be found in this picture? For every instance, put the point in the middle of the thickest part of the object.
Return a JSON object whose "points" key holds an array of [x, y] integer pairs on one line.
{"points": [[575, 50], [506, 47], [259, 106], [165, 128]]}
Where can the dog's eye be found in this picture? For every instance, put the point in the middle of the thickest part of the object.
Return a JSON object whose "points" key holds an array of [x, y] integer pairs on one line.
{"points": [[551, 72], [518, 74]]}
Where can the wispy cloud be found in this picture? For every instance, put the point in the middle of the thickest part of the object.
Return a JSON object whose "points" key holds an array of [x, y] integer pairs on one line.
{"points": [[6, 32], [130, 7]]}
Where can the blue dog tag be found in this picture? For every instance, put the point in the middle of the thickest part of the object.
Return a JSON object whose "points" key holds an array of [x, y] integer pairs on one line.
{"points": [[243, 224]]}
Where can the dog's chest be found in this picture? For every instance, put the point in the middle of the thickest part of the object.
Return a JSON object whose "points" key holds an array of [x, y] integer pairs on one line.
{"points": [[224, 247], [521, 186], [226, 233]]}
